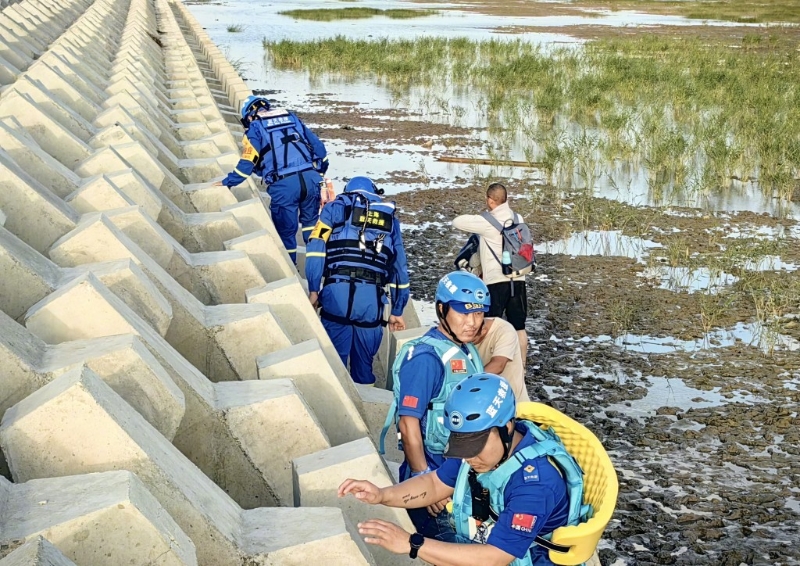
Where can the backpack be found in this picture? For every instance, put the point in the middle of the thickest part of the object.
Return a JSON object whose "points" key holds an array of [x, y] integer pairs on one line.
{"points": [[517, 241], [468, 259]]}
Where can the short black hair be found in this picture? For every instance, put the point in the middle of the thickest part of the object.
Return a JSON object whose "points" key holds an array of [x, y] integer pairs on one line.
{"points": [[497, 192]]}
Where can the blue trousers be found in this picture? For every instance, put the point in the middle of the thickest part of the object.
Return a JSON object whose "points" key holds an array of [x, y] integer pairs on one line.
{"points": [[298, 192], [354, 343]]}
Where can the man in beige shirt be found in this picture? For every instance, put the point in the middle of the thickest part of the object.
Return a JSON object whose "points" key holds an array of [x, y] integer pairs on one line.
{"points": [[499, 350], [514, 305]]}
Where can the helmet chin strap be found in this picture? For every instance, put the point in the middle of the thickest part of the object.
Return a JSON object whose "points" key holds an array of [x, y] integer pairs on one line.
{"points": [[507, 438], [443, 321]]}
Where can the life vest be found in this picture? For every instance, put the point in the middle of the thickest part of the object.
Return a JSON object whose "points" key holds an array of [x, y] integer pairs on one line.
{"points": [[363, 240], [548, 444], [457, 365], [287, 150]]}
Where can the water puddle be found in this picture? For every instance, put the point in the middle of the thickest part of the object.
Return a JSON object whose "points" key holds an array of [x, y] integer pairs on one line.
{"points": [[752, 334], [602, 243], [769, 263], [689, 280], [793, 504], [663, 392]]}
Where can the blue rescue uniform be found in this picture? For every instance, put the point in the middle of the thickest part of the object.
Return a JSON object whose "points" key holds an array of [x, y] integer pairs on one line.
{"points": [[358, 248], [536, 502], [421, 376], [289, 157]]}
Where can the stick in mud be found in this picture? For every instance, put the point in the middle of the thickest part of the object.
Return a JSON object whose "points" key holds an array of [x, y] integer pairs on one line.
{"points": [[497, 162]]}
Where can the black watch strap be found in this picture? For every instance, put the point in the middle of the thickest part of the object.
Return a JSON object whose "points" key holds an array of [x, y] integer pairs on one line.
{"points": [[416, 540]]}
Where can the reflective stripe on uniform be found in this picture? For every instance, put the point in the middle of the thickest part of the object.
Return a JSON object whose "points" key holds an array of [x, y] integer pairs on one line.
{"points": [[399, 286], [315, 254], [240, 173]]}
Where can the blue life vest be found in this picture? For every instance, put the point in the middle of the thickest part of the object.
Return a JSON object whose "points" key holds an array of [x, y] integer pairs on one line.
{"points": [[457, 365], [287, 151], [363, 242], [548, 444]]}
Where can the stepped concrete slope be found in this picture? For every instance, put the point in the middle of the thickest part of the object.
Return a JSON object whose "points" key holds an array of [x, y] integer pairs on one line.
{"points": [[98, 518], [167, 393]]}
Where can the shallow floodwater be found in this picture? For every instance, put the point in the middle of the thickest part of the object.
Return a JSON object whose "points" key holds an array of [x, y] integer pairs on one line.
{"points": [[301, 91]]}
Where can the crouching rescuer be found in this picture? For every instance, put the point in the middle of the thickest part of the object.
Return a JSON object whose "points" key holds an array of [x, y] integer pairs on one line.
{"points": [[511, 482], [358, 249]]}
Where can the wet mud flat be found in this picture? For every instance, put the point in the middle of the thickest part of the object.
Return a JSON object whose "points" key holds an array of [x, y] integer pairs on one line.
{"points": [[705, 440]]}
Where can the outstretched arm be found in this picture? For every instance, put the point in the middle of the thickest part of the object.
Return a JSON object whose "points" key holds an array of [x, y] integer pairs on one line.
{"points": [[413, 493], [247, 162], [395, 539]]}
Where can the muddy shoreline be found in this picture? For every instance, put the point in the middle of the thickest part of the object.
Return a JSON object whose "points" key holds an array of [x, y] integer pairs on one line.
{"points": [[698, 485]]}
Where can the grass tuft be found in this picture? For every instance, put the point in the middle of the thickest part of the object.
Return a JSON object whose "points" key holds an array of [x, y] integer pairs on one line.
{"points": [[335, 14]]}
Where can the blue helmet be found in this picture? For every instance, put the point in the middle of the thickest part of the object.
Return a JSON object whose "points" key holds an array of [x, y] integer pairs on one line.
{"points": [[463, 292], [475, 406], [362, 184], [251, 106]]}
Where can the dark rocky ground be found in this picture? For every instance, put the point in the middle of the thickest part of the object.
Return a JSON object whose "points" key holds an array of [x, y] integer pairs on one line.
{"points": [[712, 485]]}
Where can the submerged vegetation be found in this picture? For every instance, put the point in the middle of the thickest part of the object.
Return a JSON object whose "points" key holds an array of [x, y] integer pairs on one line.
{"points": [[696, 117], [334, 14]]}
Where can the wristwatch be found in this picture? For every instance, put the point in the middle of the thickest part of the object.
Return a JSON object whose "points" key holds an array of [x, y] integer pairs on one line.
{"points": [[416, 541]]}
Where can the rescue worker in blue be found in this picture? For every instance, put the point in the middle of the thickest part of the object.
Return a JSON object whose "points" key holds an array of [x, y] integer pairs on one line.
{"points": [[508, 495], [424, 372], [290, 159], [358, 248]]}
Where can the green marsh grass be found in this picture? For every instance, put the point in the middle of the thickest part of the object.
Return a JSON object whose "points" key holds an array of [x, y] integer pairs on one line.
{"points": [[355, 13], [235, 28], [694, 114]]}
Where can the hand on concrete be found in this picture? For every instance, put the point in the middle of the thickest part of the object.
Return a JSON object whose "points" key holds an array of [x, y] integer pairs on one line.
{"points": [[396, 323], [386, 534], [313, 298], [362, 490], [438, 507], [217, 184]]}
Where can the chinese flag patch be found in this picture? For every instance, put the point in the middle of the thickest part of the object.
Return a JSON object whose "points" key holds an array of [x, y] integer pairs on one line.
{"points": [[523, 522], [458, 366], [410, 401]]}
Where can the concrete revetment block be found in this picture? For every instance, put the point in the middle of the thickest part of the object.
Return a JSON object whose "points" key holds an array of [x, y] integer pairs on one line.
{"points": [[107, 518], [199, 333], [317, 477], [273, 424], [38, 436], [36, 552], [121, 361], [376, 402], [27, 154], [267, 254], [33, 213], [301, 322], [307, 366]]}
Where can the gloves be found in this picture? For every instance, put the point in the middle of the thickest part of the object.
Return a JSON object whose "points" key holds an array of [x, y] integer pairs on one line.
{"points": [[322, 166]]}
